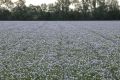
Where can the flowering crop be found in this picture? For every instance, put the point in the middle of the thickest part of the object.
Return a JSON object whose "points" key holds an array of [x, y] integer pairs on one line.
{"points": [[60, 50]]}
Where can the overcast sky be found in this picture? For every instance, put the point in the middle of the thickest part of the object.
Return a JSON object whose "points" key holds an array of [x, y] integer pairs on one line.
{"points": [[38, 2]]}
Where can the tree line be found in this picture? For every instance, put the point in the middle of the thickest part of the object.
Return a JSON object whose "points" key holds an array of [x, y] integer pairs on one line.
{"points": [[61, 10]]}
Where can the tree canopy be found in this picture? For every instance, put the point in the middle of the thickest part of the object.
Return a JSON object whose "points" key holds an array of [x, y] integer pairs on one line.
{"points": [[60, 10]]}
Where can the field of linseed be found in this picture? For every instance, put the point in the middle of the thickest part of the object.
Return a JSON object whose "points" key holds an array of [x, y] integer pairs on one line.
{"points": [[60, 50]]}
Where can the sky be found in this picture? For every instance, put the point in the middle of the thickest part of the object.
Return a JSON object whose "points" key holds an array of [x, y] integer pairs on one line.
{"points": [[38, 2]]}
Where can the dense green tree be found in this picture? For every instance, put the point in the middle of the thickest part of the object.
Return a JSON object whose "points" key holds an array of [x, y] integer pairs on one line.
{"points": [[44, 7], [60, 10], [63, 5], [4, 14], [51, 7], [19, 12], [113, 10]]}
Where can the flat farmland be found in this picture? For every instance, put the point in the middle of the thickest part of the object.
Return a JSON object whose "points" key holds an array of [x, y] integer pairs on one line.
{"points": [[59, 50]]}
